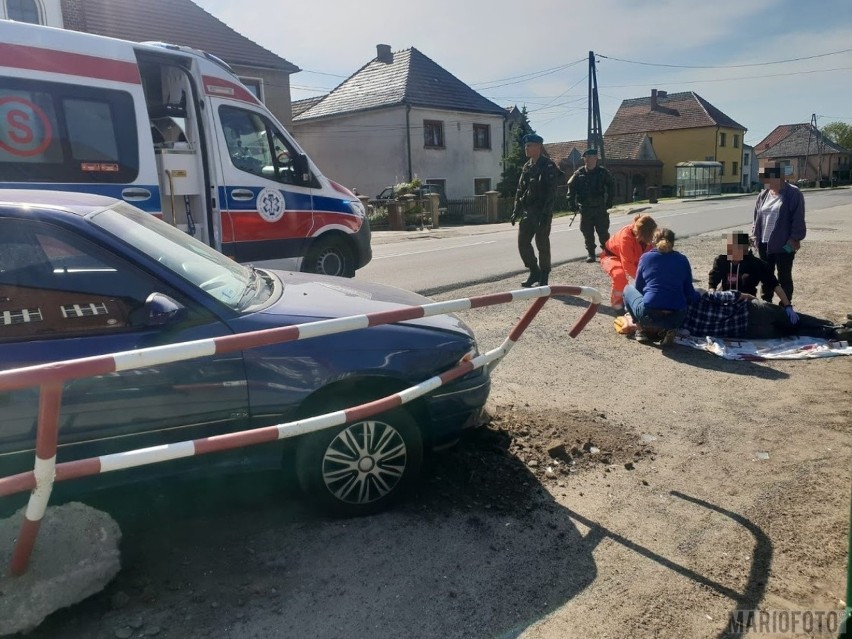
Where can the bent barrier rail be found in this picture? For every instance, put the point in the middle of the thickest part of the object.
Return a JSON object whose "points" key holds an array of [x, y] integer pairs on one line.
{"points": [[51, 377]]}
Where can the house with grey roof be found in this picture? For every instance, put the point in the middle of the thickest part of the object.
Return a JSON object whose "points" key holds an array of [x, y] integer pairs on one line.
{"points": [[630, 158], [180, 22], [402, 116], [683, 127], [805, 153]]}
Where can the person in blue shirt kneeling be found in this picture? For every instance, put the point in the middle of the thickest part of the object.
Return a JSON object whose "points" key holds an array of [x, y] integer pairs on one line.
{"points": [[658, 300]]}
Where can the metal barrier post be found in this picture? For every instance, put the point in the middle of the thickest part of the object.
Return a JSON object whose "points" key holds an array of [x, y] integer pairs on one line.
{"points": [[49, 404]]}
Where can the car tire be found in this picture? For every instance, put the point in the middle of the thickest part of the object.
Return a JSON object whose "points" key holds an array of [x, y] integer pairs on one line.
{"points": [[363, 467], [329, 256]]}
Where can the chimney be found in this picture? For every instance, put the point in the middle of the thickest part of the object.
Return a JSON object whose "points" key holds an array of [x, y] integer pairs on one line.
{"points": [[653, 99], [383, 53]]}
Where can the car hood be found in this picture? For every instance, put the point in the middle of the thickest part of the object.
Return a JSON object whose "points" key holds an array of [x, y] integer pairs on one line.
{"points": [[319, 296]]}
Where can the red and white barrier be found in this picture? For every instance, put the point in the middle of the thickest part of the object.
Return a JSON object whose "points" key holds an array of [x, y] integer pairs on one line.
{"points": [[51, 377]]}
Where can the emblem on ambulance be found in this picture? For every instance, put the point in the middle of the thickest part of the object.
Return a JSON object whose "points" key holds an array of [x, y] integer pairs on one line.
{"points": [[270, 205]]}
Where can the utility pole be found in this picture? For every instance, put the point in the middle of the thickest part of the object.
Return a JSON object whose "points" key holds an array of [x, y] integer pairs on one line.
{"points": [[820, 148], [594, 136]]}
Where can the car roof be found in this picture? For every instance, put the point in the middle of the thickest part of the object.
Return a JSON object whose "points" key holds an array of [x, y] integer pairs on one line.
{"points": [[78, 203]]}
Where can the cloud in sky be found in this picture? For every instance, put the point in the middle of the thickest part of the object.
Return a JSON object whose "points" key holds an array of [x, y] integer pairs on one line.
{"points": [[483, 42]]}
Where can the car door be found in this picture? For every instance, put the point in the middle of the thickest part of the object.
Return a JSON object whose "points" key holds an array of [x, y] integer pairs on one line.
{"points": [[63, 297], [267, 207]]}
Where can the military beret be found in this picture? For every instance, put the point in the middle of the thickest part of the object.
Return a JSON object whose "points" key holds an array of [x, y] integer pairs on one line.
{"points": [[590, 152], [533, 138]]}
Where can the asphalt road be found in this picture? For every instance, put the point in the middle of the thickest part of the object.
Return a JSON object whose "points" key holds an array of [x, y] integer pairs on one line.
{"points": [[470, 255]]}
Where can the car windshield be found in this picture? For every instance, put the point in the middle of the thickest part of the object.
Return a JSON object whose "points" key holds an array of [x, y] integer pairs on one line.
{"points": [[197, 263]]}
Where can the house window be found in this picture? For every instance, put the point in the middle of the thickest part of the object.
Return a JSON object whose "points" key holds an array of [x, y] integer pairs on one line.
{"points": [[433, 134], [23, 11], [255, 87], [723, 139], [481, 136], [481, 185], [746, 157], [736, 141], [722, 170], [734, 167]]}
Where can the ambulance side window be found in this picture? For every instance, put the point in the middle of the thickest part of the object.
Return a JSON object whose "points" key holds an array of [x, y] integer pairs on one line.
{"points": [[56, 132], [256, 147]]}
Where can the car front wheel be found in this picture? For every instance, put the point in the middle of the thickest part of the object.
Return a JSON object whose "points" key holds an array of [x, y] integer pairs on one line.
{"points": [[362, 467]]}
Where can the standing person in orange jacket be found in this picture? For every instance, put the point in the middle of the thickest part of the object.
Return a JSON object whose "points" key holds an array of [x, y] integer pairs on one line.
{"points": [[621, 254]]}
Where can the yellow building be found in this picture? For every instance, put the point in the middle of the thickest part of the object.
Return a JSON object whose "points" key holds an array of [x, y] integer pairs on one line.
{"points": [[684, 127]]}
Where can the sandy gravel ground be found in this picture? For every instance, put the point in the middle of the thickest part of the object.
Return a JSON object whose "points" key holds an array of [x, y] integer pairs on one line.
{"points": [[618, 492]]}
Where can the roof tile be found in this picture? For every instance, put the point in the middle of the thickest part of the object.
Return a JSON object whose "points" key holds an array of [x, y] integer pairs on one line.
{"points": [[801, 139], [675, 111], [180, 22], [410, 78]]}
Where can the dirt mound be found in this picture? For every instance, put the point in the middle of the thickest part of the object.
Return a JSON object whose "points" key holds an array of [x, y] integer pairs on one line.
{"points": [[504, 465]]}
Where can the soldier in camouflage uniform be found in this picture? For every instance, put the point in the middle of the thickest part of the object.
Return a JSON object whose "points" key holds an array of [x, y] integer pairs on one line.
{"points": [[534, 202], [591, 187]]}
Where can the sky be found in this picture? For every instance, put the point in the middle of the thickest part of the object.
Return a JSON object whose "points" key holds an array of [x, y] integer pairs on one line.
{"points": [[761, 62]]}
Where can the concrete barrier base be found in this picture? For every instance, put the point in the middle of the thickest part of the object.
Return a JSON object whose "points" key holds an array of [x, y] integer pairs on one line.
{"points": [[75, 556]]}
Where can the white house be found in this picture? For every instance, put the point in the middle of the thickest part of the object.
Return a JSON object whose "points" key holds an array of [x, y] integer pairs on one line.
{"points": [[403, 116], [749, 169]]}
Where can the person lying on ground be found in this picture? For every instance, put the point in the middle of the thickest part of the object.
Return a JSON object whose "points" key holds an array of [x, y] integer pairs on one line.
{"points": [[741, 270], [740, 315]]}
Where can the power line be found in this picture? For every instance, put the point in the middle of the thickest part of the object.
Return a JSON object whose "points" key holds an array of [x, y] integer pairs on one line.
{"points": [[724, 66], [333, 75], [526, 76], [749, 77]]}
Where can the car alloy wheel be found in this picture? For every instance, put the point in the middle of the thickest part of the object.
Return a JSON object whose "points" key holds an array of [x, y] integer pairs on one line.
{"points": [[362, 467], [364, 462]]}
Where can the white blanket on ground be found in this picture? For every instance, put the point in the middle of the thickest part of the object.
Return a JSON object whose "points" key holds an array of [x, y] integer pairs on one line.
{"points": [[764, 349]]}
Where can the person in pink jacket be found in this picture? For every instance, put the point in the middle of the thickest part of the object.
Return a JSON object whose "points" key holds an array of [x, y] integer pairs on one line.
{"points": [[621, 254]]}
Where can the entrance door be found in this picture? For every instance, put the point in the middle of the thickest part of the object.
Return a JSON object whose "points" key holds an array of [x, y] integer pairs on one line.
{"points": [[267, 207]]}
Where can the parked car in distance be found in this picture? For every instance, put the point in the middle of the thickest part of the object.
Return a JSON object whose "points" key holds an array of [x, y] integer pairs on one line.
{"points": [[390, 193], [84, 275]]}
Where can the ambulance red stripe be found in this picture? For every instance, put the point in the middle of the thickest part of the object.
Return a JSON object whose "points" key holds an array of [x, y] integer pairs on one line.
{"points": [[20, 56]]}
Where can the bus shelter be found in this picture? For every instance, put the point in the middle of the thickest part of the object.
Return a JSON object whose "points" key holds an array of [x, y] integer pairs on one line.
{"points": [[695, 179]]}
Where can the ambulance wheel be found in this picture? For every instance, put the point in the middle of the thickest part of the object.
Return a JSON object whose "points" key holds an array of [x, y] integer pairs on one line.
{"points": [[330, 256]]}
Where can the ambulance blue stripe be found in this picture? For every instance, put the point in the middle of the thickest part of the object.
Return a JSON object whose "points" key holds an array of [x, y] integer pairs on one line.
{"points": [[293, 201]]}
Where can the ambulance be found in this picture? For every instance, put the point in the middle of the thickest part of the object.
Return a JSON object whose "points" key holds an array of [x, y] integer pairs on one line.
{"points": [[172, 131]]}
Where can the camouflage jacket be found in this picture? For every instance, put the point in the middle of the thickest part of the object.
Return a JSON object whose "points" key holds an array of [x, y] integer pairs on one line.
{"points": [[536, 193], [593, 188]]}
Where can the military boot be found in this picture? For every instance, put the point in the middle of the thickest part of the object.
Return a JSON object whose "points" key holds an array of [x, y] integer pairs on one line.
{"points": [[535, 276], [542, 281]]}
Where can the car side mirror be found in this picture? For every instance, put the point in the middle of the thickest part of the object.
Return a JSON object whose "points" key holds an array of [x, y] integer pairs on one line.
{"points": [[160, 309], [300, 163]]}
